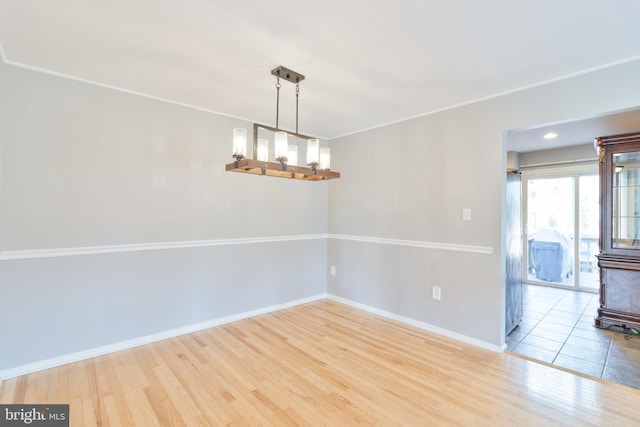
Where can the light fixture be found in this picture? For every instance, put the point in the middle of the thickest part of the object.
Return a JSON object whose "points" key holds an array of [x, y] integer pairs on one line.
{"points": [[239, 143], [263, 150], [325, 158], [292, 155], [313, 152], [550, 135], [286, 156]]}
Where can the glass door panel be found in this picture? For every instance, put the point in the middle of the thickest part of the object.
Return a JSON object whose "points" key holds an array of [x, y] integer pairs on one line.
{"points": [[588, 231], [626, 200], [551, 230]]}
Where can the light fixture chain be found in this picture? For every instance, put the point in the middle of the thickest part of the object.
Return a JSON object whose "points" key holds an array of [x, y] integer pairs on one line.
{"points": [[297, 93], [277, 101]]}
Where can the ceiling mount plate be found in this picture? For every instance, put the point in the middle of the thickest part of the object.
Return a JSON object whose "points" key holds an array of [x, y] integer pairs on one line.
{"points": [[287, 74]]}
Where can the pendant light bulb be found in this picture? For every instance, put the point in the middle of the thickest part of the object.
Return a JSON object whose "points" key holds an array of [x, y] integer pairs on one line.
{"points": [[313, 152], [281, 147], [263, 150], [239, 143], [325, 158], [292, 155]]}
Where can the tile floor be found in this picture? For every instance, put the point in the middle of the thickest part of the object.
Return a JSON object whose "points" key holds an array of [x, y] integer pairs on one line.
{"points": [[557, 327]]}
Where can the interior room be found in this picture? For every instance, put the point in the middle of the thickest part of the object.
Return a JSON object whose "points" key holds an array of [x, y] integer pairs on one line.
{"points": [[560, 214], [144, 282]]}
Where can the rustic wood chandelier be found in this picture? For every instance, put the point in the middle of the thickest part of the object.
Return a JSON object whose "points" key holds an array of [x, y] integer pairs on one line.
{"points": [[286, 156]]}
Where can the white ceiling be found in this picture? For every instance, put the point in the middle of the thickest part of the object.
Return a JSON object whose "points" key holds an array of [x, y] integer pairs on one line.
{"points": [[575, 132], [367, 63]]}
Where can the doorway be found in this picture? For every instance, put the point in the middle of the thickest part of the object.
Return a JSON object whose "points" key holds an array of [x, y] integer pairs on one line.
{"points": [[561, 226]]}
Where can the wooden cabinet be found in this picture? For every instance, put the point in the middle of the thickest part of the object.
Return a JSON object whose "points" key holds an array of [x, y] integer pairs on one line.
{"points": [[619, 258]]}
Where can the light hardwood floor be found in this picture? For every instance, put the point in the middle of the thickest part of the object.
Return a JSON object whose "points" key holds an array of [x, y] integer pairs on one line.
{"points": [[321, 363]]}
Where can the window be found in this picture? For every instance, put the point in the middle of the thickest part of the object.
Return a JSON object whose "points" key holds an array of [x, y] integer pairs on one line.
{"points": [[561, 226]]}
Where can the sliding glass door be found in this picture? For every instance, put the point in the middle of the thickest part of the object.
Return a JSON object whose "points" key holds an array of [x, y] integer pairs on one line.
{"points": [[560, 217], [589, 222]]}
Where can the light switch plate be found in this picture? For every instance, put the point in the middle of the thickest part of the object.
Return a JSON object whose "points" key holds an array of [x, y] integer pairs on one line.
{"points": [[466, 214]]}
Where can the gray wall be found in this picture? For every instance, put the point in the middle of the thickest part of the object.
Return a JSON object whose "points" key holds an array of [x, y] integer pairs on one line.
{"points": [[86, 166], [411, 180], [2, 102], [91, 166]]}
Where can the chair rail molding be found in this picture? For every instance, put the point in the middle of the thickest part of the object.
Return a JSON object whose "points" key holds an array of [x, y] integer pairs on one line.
{"points": [[107, 249], [134, 247], [486, 250]]}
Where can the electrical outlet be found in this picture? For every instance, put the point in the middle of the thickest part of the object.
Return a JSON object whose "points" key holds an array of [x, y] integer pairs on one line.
{"points": [[435, 293], [333, 270]]}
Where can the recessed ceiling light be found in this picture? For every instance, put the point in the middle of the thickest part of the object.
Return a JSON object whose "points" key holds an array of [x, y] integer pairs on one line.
{"points": [[550, 135]]}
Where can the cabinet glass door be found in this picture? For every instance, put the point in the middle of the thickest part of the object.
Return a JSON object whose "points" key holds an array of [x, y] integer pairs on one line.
{"points": [[626, 201]]}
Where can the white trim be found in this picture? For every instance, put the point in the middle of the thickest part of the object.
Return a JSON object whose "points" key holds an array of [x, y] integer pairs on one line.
{"points": [[490, 97], [131, 92], [327, 138], [561, 170], [135, 342], [421, 325], [135, 247], [93, 250], [118, 89], [486, 250], [558, 163]]}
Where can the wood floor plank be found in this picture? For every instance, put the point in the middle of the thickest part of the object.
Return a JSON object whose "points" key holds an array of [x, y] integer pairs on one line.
{"points": [[322, 363]]}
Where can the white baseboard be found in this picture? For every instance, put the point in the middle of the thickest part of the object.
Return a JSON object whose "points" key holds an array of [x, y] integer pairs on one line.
{"points": [[135, 342], [124, 345], [421, 325]]}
